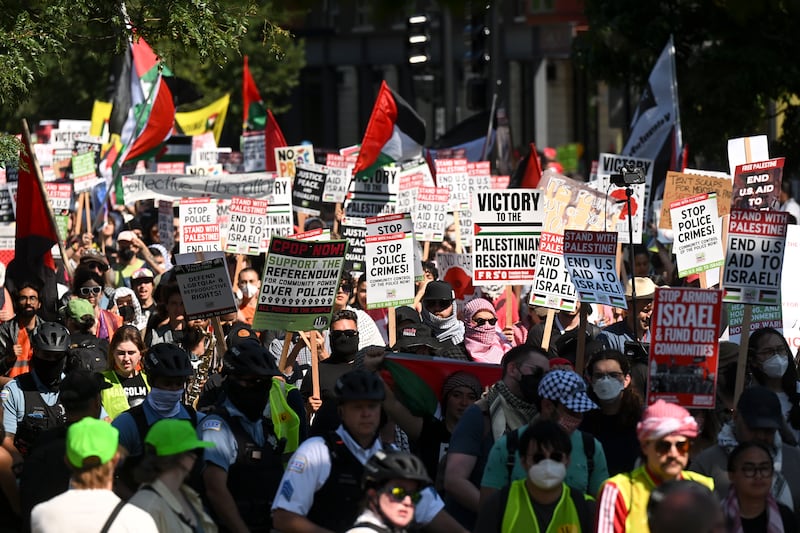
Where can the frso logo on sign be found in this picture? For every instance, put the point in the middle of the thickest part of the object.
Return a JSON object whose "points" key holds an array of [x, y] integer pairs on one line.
{"points": [[321, 322]]}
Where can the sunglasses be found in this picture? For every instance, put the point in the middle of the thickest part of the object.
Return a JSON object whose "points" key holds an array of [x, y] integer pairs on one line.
{"points": [[346, 288], [539, 457], [86, 291], [339, 333], [482, 321], [682, 446], [398, 494]]}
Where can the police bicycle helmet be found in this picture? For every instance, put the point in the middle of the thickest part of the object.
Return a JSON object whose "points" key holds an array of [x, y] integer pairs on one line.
{"points": [[389, 464], [359, 385], [249, 358], [51, 337], [167, 360]]}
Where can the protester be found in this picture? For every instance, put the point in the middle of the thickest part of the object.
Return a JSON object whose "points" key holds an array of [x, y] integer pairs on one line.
{"points": [[439, 312], [664, 434], [416, 339], [788, 203], [483, 339], [142, 285], [614, 424], [85, 350], [128, 385], [509, 404], [6, 302], [92, 452], [248, 286], [750, 505], [684, 506], [563, 322], [171, 327], [391, 484], [542, 500], [128, 308], [171, 450], [88, 285], [15, 335]]}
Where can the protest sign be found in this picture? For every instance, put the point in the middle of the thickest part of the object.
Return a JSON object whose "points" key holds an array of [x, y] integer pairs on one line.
{"points": [[68, 132], [84, 174], [204, 170], [246, 225], [452, 174], [679, 186], [754, 256], [7, 206], [569, 204], [170, 167], [552, 286], [500, 182], [254, 151], [340, 171], [60, 195], [479, 176], [375, 194], [166, 224], [173, 187], [456, 269], [697, 241], [288, 157], [199, 225], [319, 234], [354, 229], [390, 261], [279, 220], [746, 150], [430, 214], [762, 316], [410, 183], [205, 288], [790, 297], [590, 257], [613, 164], [204, 149], [299, 285], [507, 225], [684, 347], [758, 185], [309, 183]]}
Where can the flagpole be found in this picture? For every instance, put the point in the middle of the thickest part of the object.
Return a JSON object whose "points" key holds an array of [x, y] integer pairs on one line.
{"points": [[489, 129], [38, 173], [678, 142]]}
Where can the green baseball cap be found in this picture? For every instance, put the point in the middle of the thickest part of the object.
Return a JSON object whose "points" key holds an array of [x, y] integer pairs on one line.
{"points": [[91, 442], [170, 436], [77, 308]]}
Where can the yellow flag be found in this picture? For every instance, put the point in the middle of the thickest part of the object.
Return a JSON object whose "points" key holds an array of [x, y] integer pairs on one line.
{"points": [[208, 118], [101, 113]]}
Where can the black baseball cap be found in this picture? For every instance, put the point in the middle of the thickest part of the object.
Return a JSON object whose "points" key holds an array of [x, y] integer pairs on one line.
{"points": [[439, 290], [760, 408]]}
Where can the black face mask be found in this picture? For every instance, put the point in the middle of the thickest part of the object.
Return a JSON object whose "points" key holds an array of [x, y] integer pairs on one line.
{"points": [[48, 372], [127, 312], [126, 254], [343, 348], [251, 401], [529, 385]]}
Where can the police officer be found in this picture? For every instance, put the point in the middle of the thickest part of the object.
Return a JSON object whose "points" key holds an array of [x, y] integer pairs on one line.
{"points": [[244, 469], [168, 369], [30, 401], [321, 488]]}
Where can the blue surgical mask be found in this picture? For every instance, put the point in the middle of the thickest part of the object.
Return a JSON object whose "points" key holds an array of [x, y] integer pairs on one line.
{"points": [[167, 403]]}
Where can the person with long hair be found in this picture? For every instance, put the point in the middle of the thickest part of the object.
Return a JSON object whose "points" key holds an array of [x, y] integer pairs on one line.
{"points": [[771, 364], [88, 284], [171, 450], [129, 385], [614, 424], [750, 506]]}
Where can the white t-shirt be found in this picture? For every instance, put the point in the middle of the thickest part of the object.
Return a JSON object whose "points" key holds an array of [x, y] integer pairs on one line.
{"points": [[86, 511]]}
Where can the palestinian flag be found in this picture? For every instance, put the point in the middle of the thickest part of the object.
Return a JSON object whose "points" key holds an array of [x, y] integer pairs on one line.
{"points": [[528, 172], [36, 234], [274, 139], [469, 135], [253, 110], [418, 379], [395, 132]]}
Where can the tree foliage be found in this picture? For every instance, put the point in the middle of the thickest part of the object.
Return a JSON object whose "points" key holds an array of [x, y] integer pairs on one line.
{"points": [[56, 55], [733, 59]]}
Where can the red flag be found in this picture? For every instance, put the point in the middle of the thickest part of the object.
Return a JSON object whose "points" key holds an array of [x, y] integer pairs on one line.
{"points": [[274, 139], [528, 172], [253, 111]]}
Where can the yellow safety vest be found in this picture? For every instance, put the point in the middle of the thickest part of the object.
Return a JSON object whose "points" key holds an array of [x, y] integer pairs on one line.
{"points": [[113, 399], [519, 514], [285, 421]]}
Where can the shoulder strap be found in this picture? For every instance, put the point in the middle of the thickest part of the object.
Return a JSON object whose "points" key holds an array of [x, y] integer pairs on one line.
{"points": [[582, 508], [588, 451], [512, 443], [113, 516], [192, 414]]}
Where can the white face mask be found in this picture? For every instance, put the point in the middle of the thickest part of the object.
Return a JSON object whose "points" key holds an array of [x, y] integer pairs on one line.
{"points": [[775, 366], [249, 290], [547, 474], [607, 388]]}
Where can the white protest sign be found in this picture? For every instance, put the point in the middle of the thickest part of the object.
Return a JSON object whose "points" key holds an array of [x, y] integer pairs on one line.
{"points": [[316, 235], [746, 150], [375, 194], [68, 132], [452, 174], [288, 157], [754, 256], [790, 298], [199, 225], [390, 259], [590, 257], [430, 214], [697, 241], [340, 171], [552, 286], [254, 151], [279, 221], [410, 182], [60, 196], [507, 224], [205, 170], [613, 164], [479, 174], [166, 224], [246, 225], [204, 149], [205, 288]]}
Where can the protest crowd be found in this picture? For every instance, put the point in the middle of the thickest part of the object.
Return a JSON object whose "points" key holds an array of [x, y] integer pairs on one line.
{"points": [[348, 344]]}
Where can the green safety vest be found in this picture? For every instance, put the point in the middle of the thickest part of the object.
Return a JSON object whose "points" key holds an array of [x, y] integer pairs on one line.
{"points": [[285, 422], [519, 514]]}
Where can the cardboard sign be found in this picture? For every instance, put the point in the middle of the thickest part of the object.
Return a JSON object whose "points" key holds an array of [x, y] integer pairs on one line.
{"points": [[166, 224], [60, 195], [590, 257], [254, 151], [288, 157], [758, 185], [697, 243], [679, 186], [745, 150], [684, 347], [340, 172], [430, 213], [390, 261], [309, 184], [456, 269], [299, 285], [246, 225], [199, 225], [354, 229], [613, 164], [205, 288], [569, 204], [507, 225], [552, 286], [375, 194], [754, 256]]}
